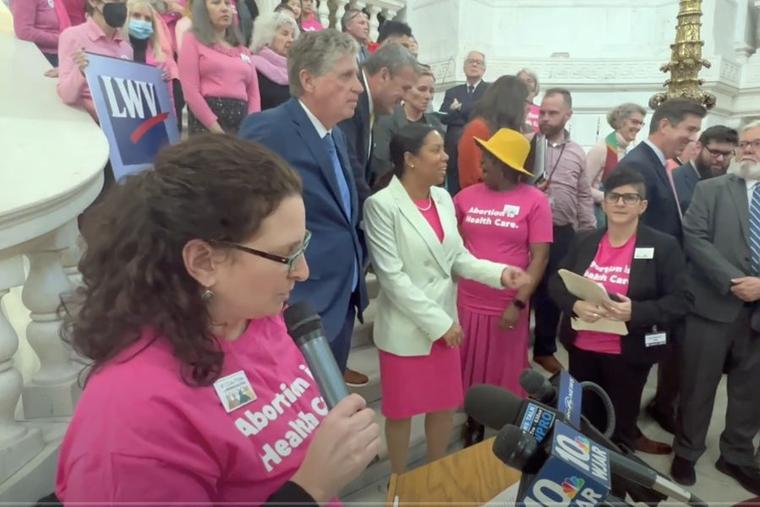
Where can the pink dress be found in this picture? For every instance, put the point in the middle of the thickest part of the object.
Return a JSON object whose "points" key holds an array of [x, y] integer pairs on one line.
{"points": [[611, 268], [413, 385], [141, 434], [498, 226]]}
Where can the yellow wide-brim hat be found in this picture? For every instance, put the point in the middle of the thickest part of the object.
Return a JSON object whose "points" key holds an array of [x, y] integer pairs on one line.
{"points": [[510, 147]]}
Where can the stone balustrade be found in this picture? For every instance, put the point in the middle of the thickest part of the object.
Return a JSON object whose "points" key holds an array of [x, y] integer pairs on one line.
{"points": [[51, 169]]}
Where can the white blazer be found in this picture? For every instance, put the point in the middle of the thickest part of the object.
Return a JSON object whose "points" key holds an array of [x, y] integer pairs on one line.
{"points": [[417, 301]]}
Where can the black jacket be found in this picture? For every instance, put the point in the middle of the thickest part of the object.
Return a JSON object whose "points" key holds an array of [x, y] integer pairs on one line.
{"points": [[272, 94], [662, 211], [357, 131], [657, 289]]}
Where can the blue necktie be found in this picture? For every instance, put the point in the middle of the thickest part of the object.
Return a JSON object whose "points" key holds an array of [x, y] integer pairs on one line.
{"points": [[340, 178], [754, 229], [345, 195]]}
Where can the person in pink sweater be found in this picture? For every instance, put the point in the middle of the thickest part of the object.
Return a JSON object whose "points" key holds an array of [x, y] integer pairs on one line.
{"points": [[216, 70], [41, 22], [101, 34]]}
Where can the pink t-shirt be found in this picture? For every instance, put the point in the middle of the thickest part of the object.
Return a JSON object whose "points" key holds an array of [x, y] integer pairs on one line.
{"points": [[532, 117], [611, 268], [311, 24], [216, 71], [430, 212], [141, 434], [500, 226]]}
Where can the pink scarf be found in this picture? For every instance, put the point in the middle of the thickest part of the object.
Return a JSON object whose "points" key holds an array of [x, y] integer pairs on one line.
{"points": [[272, 65], [63, 15]]}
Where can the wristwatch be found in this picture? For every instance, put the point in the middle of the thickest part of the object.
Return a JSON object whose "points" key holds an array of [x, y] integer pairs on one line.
{"points": [[519, 304]]}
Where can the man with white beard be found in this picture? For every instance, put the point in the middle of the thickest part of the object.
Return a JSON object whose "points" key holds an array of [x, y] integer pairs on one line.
{"points": [[722, 242]]}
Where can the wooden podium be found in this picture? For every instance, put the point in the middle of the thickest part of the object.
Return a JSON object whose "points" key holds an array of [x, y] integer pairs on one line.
{"points": [[470, 476]]}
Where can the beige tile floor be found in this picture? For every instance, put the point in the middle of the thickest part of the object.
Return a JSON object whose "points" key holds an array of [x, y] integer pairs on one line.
{"points": [[712, 486]]}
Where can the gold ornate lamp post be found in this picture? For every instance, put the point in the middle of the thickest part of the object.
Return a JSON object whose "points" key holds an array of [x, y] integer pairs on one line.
{"points": [[686, 59]]}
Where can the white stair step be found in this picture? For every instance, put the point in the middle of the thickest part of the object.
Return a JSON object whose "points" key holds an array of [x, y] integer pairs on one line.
{"points": [[364, 360], [373, 287]]}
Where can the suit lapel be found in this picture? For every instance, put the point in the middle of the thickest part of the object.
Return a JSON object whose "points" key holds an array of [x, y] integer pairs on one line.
{"points": [[421, 226], [738, 190], [659, 169], [315, 145]]}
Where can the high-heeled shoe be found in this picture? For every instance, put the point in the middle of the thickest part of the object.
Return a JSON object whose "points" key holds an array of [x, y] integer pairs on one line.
{"points": [[472, 432]]}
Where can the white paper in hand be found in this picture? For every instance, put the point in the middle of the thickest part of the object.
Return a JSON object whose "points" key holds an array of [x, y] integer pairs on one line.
{"points": [[590, 291]]}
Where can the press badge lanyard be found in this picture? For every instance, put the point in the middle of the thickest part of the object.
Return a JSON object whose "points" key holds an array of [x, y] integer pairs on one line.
{"points": [[556, 163]]}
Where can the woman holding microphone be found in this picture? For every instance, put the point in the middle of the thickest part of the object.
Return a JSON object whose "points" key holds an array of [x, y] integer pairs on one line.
{"points": [[196, 394], [417, 252]]}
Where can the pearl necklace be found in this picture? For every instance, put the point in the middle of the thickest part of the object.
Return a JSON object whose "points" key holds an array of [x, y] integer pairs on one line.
{"points": [[430, 204]]}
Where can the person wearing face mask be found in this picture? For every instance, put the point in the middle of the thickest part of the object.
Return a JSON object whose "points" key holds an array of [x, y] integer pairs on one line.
{"points": [[216, 70], [101, 34], [196, 393], [502, 219], [273, 34], [626, 121], [417, 254], [414, 109], [148, 43]]}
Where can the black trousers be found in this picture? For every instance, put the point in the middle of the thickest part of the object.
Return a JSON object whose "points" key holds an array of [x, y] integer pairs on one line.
{"points": [[622, 380], [668, 374], [546, 312]]}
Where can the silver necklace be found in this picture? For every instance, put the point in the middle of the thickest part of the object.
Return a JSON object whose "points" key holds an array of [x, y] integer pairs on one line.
{"points": [[430, 204]]}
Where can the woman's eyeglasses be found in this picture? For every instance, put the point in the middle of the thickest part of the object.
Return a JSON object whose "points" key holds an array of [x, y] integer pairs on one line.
{"points": [[628, 199], [290, 260]]}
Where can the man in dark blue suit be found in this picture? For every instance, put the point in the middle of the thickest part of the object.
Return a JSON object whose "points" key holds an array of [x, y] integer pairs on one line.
{"points": [[716, 147], [323, 81], [386, 76], [457, 105], [674, 124]]}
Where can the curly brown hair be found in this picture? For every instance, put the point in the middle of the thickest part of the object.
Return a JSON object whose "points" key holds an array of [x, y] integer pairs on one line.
{"points": [[212, 187]]}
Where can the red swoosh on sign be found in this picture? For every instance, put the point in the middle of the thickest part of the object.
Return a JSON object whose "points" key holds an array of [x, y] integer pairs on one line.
{"points": [[146, 126]]}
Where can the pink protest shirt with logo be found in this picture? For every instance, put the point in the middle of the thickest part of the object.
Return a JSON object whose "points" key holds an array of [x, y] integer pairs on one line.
{"points": [[500, 226], [610, 268], [140, 434]]}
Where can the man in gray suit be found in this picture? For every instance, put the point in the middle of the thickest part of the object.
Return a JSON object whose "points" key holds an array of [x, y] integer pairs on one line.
{"points": [[722, 241]]}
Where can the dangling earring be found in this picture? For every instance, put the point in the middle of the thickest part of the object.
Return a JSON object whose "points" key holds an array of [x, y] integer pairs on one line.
{"points": [[207, 295]]}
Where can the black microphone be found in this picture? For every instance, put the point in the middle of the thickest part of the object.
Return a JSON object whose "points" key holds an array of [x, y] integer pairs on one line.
{"points": [[494, 407], [305, 327]]}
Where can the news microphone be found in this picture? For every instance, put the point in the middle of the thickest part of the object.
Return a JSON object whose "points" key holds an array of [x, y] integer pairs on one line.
{"points": [[305, 327], [519, 450], [564, 392], [492, 406]]}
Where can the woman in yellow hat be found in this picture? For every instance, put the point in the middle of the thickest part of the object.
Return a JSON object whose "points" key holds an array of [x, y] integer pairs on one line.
{"points": [[504, 220]]}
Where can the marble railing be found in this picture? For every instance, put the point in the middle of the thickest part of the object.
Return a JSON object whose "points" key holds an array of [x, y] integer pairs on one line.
{"points": [[51, 161], [331, 12]]}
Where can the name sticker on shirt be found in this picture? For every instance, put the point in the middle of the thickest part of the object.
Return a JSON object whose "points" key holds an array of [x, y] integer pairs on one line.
{"points": [[245, 58], [643, 253], [234, 391], [51, 3], [655, 339]]}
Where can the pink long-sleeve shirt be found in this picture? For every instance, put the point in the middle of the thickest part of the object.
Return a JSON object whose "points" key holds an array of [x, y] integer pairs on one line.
{"points": [[216, 71], [72, 85], [37, 21]]}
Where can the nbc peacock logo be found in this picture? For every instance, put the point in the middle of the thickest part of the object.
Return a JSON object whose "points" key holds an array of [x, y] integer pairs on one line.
{"points": [[571, 486], [583, 443]]}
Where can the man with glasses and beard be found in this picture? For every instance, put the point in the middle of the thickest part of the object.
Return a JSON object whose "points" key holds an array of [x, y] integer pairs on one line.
{"points": [[722, 242], [716, 147]]}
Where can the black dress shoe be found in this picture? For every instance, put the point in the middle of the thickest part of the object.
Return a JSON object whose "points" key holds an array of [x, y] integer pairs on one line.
{"points": [[682, 471], [472, 432], [748, 475], [666, 422]]}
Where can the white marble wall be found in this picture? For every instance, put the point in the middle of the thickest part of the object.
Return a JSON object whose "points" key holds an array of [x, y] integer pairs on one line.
{"points": [[605, 51]]}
